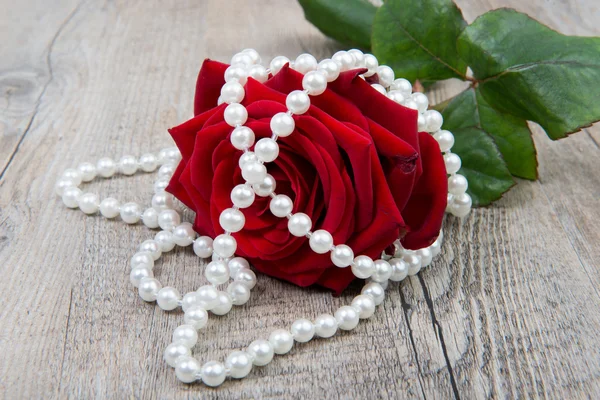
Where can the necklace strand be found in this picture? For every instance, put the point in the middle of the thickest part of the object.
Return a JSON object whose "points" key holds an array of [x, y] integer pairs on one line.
{"points": [[225, 266]]}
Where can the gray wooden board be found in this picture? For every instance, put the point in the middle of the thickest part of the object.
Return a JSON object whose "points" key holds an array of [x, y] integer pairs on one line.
{"points": [[511, 309]]}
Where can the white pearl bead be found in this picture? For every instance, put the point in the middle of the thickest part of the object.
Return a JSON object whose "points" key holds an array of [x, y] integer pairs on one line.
{"points": [[346, 317], [359, 57], [371, 64], [74, 175], [457, 184], [148, 289], [449, 202], [186, 369], [203, 246], [236, 264], [148, 162], [150, 218], [152, 247], [213, 373], [399, 269], [224, 245], [342, 256], [396, 96], [160, 185], [207, 296], [363, 267], [216, 272], [168, 298], [297, 102], [330, 69], [236, 73], [239, 292], [402, 85], [321, 241], [344, 60], [302, 330], [174, 351], [453, 163], [131, 212], [426, 256], [128, 165], [277, 63], [379, 88], [239, 364], [166, 171], [224, 304], [162, 200], [414, 263], [434, 120], [461, 205], [421, 123], [242, 195], [259, 73], [254, 172], [325, 326], [87, 171], [305, 63], [183, 235], [185, 334], [266, 150], [266, 187], [242, 137], [421, 100], [281, 340], [168, 219], [62, 184], [165, 240], [232, 220], [386, 75], [142, 259], [253, 54], [436, 248], [190, 300], [314, 83], [247, 277], [375, 290], [364, 305], [261, 352], [71, 196], [281, 205], [171, 155], [299, 224], [410, 103], [445, 139], [235, 114], [196, 316], [282, 124], [106, 167], [139, 273], [383, 271], [88, 203], [241, 58]]}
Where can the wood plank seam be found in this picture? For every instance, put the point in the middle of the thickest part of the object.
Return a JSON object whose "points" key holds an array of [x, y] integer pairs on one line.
{"points": [[405, 311], [43, 92]]}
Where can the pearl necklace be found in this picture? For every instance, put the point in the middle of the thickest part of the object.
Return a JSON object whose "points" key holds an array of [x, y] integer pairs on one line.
{"points": [[224, 265]]}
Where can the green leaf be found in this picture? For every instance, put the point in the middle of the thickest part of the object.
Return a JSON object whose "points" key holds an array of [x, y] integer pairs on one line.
{"points": [[418, 39], [512, 136], [533, 72], [482, 162], [347, 21]]}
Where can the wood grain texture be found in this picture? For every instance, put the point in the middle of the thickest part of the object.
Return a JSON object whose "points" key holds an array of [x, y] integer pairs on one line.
{"points": [[511, 310]]}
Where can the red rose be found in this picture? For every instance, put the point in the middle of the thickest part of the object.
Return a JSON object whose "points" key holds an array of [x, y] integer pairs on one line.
{"points": [[355, 164]]}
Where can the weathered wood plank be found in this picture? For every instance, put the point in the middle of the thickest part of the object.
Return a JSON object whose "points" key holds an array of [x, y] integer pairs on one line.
{"points": [[510, 311]]}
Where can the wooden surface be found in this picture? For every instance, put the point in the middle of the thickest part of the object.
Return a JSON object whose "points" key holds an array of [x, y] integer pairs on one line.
{"points": [[511, 310]]}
